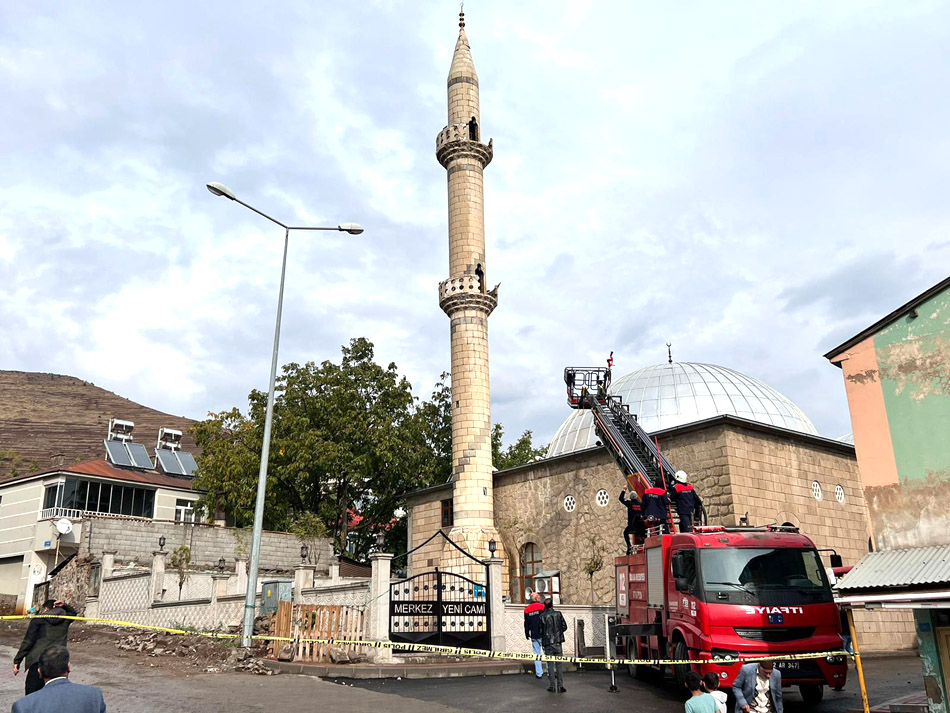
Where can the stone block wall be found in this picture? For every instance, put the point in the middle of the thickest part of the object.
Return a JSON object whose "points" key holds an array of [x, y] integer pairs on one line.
{"points": [[138, 539], [426, 518]]}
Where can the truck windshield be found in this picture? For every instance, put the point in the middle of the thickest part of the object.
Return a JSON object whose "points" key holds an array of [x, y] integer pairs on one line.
{"points": [[768, 575]]}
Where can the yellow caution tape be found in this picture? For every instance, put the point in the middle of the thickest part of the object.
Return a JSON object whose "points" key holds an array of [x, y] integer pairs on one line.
{"points": [[460, 651]]}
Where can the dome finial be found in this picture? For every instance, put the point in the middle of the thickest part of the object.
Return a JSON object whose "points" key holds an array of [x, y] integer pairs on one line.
{"points": [[669, 352], [462, 16]]}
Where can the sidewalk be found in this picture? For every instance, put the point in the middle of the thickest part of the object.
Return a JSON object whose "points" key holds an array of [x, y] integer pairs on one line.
{"points": [[454, 669], [913, 703]]}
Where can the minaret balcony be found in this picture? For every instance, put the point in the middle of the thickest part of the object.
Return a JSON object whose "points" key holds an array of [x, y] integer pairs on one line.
{"points": [[465, 292], [455, 142]]}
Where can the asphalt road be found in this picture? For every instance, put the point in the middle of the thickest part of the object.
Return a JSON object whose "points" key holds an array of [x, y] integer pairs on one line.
{"points": [[132, 685]]}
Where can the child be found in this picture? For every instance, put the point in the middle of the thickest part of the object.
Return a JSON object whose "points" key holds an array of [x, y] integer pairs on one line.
{"points": [[699, 701], [711, 684]]}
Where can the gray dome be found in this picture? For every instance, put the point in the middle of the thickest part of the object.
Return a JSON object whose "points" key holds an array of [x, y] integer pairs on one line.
{"points": [[669, 395]]}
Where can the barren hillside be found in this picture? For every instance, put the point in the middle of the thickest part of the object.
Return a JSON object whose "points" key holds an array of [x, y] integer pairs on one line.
{"points": [[45, 415]]}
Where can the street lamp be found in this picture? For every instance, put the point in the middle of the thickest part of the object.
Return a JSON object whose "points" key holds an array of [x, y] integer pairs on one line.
{"points": [[304, 553], [492, 546], [219, 189], [380, 539], [161, 543], [221, 564]]}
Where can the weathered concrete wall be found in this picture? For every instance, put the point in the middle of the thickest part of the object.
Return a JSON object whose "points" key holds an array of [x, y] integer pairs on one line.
{"points": [[138, 539], [898, 385]]}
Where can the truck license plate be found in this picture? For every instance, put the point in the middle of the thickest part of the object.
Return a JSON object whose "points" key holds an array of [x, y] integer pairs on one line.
{"points": [[786, 665]]}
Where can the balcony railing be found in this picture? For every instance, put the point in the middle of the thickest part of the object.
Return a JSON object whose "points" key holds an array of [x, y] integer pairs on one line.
{"points": [[73, 514]]}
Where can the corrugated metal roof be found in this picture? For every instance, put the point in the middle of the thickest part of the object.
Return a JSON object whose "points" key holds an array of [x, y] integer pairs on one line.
{"points": [[916, 567]]}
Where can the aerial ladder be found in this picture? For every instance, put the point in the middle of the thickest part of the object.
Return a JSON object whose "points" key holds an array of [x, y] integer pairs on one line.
{"points": [[640, 460]]}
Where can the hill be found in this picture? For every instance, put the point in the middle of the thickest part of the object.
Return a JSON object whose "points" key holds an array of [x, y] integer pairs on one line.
{"points": [[43, 416]]}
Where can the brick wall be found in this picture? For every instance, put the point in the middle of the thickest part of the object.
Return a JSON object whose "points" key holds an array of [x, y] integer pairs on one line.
{"points": [[138, 539]]}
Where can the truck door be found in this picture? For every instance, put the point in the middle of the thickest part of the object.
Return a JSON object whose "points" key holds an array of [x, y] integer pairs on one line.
{"points": [[683, 586]]}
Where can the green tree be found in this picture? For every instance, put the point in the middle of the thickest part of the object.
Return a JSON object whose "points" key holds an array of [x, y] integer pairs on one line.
{"points": [[518, 453], [179, 561], [347, 438]]}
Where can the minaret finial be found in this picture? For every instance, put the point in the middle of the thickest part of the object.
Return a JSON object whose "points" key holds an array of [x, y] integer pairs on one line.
{"points": [[462, 16], [669, 352]]}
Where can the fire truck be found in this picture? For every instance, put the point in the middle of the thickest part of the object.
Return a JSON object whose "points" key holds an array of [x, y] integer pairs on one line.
{"points": [[718, 594]]}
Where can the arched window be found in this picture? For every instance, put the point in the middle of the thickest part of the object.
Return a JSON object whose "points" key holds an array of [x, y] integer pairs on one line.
{"points": [[530, 566]]}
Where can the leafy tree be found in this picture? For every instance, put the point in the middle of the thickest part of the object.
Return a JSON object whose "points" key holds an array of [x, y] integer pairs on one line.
{"points": [[347, 438], [518, 453], [435, 423], [312, 531]]}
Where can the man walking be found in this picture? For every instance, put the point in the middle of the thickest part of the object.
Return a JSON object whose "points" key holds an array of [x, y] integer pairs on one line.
{"points": [[758, 688], [553, 627], [532, 629], [60, 694], [42, 633]]}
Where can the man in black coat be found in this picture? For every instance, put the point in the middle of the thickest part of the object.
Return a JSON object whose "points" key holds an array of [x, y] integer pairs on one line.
{"points": [[553, 627], [42, 633], [635, 524]]}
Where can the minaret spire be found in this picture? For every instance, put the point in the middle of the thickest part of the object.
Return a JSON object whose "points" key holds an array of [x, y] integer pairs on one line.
{"points": [[467, 301]]}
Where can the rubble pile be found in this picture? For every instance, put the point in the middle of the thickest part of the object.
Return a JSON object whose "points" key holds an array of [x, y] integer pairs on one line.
{"points": [[212, 655]]}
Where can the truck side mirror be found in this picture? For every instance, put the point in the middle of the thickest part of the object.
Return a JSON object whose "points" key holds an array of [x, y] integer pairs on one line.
{"points": [[836, 560], [677, 562], [682, 584]]}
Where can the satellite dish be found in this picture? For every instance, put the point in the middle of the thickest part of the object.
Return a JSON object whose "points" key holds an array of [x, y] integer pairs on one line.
{"points": [[63, 527]]}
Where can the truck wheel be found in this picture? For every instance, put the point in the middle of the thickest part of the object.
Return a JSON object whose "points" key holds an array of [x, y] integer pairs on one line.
{"points": [[680, 653], [812, 693]]}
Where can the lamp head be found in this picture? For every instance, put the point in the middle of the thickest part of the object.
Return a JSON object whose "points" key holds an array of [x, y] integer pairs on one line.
{"points": [[492, 546], [219, 189], [351, 228]]}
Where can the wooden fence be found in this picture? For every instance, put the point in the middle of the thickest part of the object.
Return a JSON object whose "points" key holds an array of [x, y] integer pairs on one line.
{"points": [[319, 621]]}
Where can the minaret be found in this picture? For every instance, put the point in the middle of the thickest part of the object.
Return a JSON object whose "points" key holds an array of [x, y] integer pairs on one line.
{"points": [[465, 298]]}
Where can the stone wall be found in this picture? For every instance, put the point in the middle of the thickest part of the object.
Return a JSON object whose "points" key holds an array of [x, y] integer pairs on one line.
{"points": [[138, 539], [71, 583]]}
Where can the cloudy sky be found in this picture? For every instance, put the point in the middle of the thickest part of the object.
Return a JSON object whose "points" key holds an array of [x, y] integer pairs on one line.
{"points": [[753, 182]]}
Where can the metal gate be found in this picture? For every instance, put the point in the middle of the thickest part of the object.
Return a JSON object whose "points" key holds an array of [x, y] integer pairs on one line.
{"points": [[441, 608]]}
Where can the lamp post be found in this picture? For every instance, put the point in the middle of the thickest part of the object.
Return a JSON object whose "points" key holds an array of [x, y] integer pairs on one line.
{"points": [[247, 632]]}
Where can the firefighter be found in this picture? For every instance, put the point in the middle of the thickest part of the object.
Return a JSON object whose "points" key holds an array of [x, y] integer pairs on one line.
{"points": [[655, 508], [634, 519], [687, 500]]}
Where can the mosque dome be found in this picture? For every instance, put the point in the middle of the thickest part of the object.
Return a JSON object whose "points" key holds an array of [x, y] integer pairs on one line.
{"points": [[670, 395]]}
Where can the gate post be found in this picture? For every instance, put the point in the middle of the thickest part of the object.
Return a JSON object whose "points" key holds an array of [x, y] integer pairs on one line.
{"points": [[378, 609], [496, 604]]}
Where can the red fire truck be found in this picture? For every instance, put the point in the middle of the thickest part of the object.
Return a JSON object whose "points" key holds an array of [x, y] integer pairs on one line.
{"points": [[716, 594]]}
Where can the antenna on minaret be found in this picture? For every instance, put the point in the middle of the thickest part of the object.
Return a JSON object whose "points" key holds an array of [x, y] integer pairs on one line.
{"points": [[669, 352], [462, 16]]}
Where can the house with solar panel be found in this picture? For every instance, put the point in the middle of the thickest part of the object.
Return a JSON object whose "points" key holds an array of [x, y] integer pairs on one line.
{"points": [[48, 516]]}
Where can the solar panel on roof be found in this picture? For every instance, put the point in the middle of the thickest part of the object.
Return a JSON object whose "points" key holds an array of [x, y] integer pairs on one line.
{"points": [[139, 455], [169, 462], [187, 462], [117, 453]]}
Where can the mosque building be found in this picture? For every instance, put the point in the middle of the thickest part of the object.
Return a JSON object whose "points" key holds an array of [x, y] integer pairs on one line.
{"points": [[753, 455]]}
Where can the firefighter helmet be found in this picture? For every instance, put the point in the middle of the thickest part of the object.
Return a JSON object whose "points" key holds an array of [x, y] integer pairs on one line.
{"points": [[681, 476]]}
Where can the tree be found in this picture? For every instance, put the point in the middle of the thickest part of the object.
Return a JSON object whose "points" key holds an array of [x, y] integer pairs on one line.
{"points": [[435, 423], [518, 453], [312, 532], [347, 438], [179, 560]]}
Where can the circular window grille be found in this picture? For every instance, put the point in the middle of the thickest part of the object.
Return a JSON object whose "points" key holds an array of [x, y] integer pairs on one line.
{"points": [[602, 498], [839, 493], [816, 489], [570, 503]]}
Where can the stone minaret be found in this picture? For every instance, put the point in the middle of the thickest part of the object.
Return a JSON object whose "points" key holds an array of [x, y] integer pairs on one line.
{"points": [[464, 297]]}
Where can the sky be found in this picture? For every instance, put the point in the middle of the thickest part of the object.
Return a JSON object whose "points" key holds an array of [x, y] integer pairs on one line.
{"points": [[751, 182]]}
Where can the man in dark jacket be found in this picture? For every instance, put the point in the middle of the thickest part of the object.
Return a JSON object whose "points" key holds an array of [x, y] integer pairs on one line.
{"points": [[634, 518], [553, 627], [656, 508], [42, 633], [687, 500], [532, 629]]}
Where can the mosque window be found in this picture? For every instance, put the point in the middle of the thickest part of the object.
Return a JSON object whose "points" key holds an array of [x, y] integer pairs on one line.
{"points": [[839, 493], [602, 498], [816, 489], [530, 566], [570, 503], [448, 515]]}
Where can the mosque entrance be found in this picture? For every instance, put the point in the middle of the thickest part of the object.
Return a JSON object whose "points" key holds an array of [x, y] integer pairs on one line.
{"points": [[439, 607]]}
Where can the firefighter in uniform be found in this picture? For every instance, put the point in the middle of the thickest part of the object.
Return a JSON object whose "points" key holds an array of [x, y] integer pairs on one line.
{"points": [[655, 508], [635, 525], [687, 500]]}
